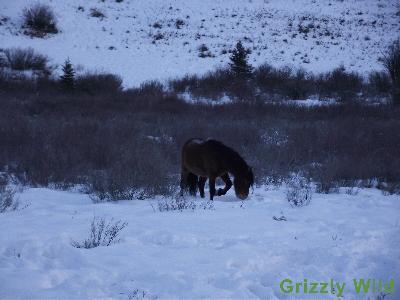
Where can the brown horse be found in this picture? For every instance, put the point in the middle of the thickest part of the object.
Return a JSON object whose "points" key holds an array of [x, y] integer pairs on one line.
{"points": [[202, 159]]}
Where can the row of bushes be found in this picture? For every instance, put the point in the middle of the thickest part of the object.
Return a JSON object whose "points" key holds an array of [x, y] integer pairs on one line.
{"points": [[127, 143], [267, 82], [124, 143], [15, 60], [87, 83], [241, 82], [244, 83], [270, 83]]}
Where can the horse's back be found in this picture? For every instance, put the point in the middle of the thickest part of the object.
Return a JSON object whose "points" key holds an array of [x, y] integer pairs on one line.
{"points": [[193, 142], [202, 157], [191, 156], [199, 147]]}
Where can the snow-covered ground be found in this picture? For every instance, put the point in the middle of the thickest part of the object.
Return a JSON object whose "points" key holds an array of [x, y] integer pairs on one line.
{"points": [[236, 250], [141, 40]]}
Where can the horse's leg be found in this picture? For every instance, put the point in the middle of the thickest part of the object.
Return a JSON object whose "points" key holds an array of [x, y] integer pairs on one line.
{"points": [[228, 185], [192, 181], [188, 182], [211, 182], [184, 180], [201, 184]]}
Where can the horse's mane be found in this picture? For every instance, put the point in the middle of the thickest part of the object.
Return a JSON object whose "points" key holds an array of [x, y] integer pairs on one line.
{"points": [[238, 163]]}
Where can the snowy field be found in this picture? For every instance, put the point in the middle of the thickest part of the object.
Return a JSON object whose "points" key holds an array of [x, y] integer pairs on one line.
{"points": [[237, 250], [157, 39]]}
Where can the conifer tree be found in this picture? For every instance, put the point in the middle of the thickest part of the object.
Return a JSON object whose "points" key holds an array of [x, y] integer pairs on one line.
{"points": [[239, 61], [68, 77]]}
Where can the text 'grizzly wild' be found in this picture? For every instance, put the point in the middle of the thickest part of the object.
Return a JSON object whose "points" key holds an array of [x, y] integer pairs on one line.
{"points": [[202, 159]]}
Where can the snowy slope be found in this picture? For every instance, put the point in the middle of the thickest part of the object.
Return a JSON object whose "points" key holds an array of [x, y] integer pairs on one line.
{"points": [[232, 251], [315, 35]]}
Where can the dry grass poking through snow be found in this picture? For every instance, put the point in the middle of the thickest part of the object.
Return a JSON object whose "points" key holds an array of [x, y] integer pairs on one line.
{"points": [[102, 233]]}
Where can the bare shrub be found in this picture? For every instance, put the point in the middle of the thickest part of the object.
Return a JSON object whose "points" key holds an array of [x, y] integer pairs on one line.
{"points": [[16, 82], [284, 82], [204, 51], [97, 13], [179, 23], [300, 85], [326, 179], [269, 79], [137, 165], [157, 25], [181, 85], [340, 84], [299, 191], [102, 233], [25, 59], [352, 191], [8, 201], [203, 48], [181, 203], [326, 185], [391, 61], [281, 218], [379, 82], [3, 60], [212, 85], [103, 187], [137, 293], [158, 36], [389, 188], [176, 203], [152, 88], [40, 19], [98, 83]]}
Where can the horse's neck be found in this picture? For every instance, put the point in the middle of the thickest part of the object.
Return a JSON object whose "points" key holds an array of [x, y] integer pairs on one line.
{"points": [[235, 165], [236, 172]]}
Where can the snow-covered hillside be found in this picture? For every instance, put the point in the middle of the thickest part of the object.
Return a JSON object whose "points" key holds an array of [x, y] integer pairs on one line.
{"points": [[157, 39], [236, 250]]}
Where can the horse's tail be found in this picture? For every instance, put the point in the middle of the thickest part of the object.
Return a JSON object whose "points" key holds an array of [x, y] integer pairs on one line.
{"points": [[189, 181]]}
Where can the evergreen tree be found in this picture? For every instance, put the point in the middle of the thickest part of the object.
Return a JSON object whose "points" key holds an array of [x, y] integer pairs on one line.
{"points": [[68, 77], [239, 61]]}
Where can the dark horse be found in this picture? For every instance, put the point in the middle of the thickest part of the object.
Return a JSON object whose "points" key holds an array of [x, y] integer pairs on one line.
{"points": [[202, 159]]}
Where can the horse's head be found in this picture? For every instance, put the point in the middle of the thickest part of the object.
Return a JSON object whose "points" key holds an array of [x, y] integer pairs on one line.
{"points": [[243, 182]]}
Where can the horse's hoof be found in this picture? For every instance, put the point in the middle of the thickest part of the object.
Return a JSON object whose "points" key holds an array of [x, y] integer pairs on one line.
{"points": [[220, 192]]}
